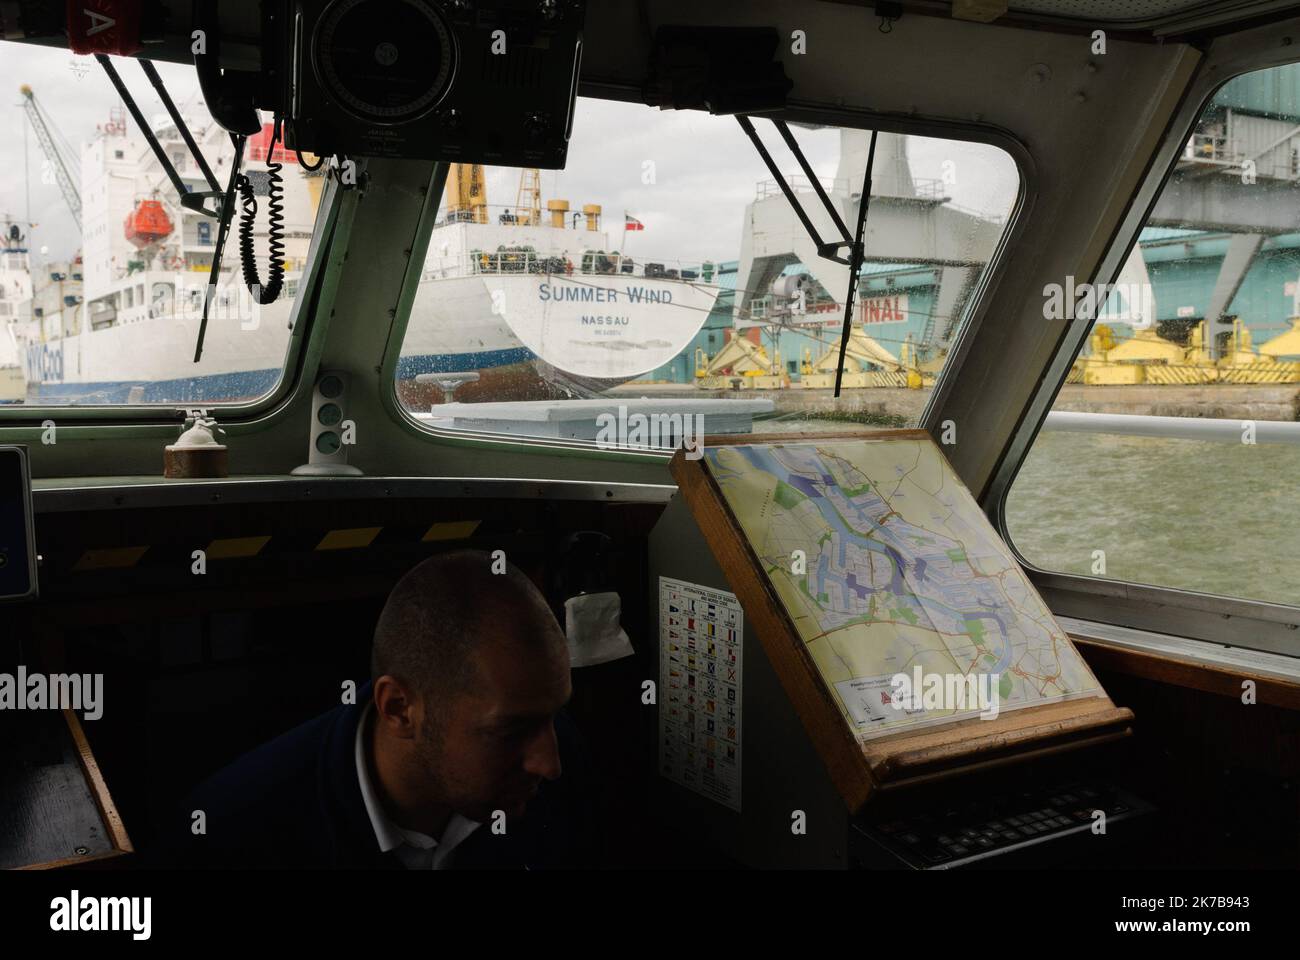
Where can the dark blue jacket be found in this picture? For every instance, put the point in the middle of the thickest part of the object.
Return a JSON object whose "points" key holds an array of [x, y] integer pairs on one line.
{"points": [[295, 802]]}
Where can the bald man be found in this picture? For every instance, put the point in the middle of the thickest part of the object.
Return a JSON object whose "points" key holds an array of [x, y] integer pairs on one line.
{"points": [[456, 753]]}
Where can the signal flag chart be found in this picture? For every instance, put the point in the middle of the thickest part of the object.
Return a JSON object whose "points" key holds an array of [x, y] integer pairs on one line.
{"points": [[860, 558], [700, 631]]}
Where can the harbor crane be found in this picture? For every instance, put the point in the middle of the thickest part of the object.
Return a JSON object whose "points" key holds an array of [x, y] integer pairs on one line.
{"points": [[45, 132]]}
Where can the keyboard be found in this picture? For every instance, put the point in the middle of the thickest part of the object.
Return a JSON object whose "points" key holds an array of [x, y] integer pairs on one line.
{"points": [[956, 835]]}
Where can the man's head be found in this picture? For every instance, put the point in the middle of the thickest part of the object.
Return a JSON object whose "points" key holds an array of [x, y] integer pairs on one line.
{"points": [[470, 668]]}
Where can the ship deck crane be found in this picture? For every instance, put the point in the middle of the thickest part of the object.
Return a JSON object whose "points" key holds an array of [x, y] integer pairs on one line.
{"points": [[467, 193], [528, 201], [54, 155]]}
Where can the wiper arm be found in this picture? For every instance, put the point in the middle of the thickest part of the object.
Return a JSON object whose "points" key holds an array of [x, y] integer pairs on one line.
{"points": [[223, 200], [191, 201], [151, 72], [827, 250], [223, 231]]}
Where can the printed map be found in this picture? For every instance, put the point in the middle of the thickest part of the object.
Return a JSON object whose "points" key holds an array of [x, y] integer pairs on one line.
{"points": [[900, 570]]}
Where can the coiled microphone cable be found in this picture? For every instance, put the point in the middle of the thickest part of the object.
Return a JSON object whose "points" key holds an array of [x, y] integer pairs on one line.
{"points": [[275, 228]]}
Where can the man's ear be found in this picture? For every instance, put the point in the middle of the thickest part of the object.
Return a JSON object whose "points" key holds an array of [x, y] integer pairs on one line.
{"points": [[396, 706]]}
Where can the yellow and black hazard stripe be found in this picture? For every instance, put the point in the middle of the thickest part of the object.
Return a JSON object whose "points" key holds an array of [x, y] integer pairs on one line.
{"points": [[329, 541]]}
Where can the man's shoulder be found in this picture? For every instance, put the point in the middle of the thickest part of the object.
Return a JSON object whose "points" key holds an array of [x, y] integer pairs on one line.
{"points": [[295, 802], [270, 806], [262, 773]]}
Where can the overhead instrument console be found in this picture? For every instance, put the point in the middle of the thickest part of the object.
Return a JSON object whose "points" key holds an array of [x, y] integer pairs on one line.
{"points": [[484, 82], [477, 81]]}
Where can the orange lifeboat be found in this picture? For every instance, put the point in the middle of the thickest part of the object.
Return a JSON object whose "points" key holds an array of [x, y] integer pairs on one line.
{"points": [[147, 223]]}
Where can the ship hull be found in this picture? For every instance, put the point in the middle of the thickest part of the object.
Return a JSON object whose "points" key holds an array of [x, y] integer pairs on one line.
{"points": [[528, 336], [590, 327], [12, 384], [151, 360]]}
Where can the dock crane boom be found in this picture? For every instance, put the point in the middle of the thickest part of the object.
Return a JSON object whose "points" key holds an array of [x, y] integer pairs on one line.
{"points": [[36, 116]]}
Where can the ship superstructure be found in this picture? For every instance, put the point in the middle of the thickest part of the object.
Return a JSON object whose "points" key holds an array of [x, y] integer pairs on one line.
{"points": [[15, 307]]}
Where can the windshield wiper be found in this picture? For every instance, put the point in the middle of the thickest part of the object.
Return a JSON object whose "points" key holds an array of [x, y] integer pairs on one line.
{"points": [[829, 250], [191, 201], [222, 200]]}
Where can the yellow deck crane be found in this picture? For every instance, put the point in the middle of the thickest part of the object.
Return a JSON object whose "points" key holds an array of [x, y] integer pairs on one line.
{"points": [[528, 201], [467, 193]]}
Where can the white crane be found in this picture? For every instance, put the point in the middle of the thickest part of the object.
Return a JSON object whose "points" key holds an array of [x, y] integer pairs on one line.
{"points": [[54, 154]]}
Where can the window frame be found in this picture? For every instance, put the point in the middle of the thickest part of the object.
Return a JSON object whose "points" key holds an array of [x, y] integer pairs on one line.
{"points": [[798, 111], [1233, 621]]}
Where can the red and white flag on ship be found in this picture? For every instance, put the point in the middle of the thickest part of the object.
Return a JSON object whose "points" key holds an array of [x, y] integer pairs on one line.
{"points": [[632, 223]]}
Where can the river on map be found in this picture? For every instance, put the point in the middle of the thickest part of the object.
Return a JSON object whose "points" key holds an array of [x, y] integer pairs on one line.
{"points": [[1209, 516]]}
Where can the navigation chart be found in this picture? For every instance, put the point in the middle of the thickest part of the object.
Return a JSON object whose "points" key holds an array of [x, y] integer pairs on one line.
{"points": [[885, 564]]}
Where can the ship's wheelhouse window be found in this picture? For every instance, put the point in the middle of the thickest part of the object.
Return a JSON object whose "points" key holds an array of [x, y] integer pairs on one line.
{"points": [[663, 277], [1195, 353], [134, 233]]}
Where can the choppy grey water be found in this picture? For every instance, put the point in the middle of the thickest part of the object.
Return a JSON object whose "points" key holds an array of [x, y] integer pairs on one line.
{"points": [[1214, 517]]}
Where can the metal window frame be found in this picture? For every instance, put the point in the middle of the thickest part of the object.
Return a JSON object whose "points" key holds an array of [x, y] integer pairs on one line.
{"points": [[798, 111], [1231, 621]]}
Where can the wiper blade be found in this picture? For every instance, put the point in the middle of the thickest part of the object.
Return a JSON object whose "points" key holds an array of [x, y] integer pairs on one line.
{"points": [[223, 231], [829, 250], [855, 260]]}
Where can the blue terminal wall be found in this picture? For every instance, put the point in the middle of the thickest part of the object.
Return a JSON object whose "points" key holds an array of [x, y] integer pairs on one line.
{"points": [[1183, 266]]}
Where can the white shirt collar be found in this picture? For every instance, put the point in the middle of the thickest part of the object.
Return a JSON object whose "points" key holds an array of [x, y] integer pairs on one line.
{"points": [[416, 850]]}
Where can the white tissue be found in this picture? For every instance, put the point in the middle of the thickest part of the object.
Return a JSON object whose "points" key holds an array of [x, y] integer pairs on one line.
{"points": [[591, 622]]}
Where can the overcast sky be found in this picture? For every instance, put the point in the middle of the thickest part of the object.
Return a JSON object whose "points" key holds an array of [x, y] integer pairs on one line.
{"points": [[705, 169], [76, 96]]}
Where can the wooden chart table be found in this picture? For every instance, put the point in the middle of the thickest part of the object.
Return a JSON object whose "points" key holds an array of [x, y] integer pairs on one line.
{"points": [[860, 767]]}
